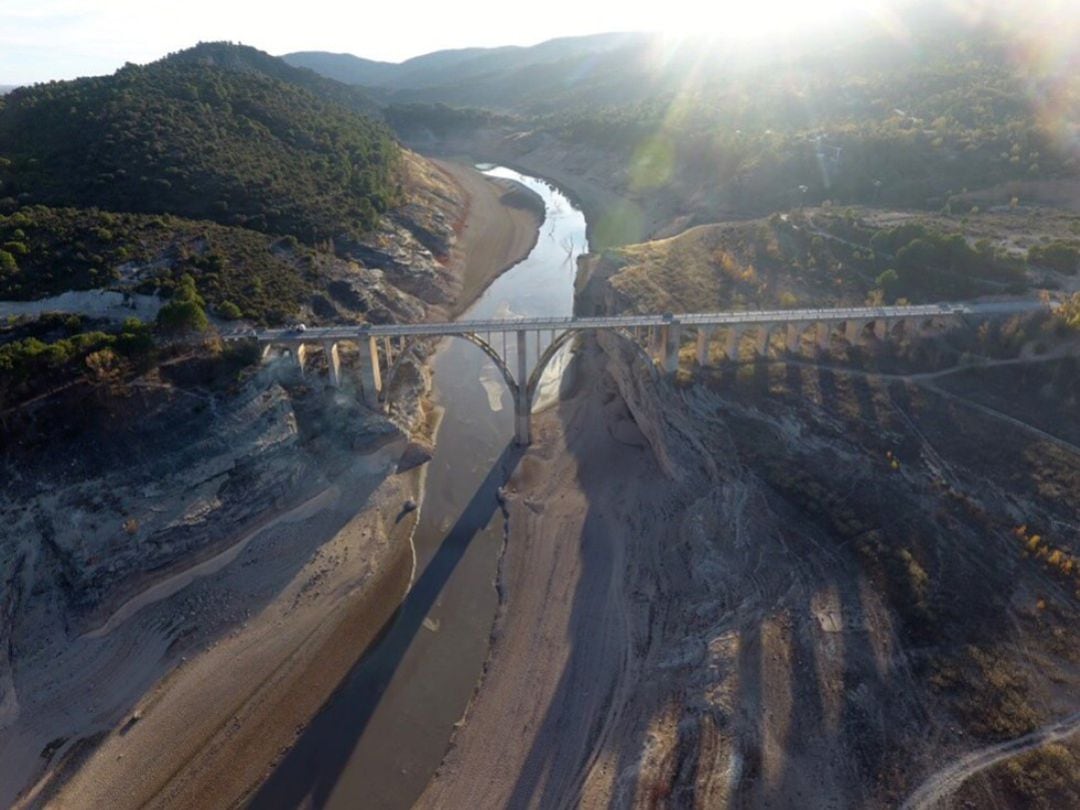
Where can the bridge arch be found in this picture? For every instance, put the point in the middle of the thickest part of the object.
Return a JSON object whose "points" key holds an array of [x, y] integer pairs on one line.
{"points": [[472, 338], [522, 392], [565, 337]]}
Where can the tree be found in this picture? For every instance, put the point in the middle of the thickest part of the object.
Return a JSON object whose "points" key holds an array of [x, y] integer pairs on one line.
{"points": [[8, 266], [186, 312], [230, 311]]}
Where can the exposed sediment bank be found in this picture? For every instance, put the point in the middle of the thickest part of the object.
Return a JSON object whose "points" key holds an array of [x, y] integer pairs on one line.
{"points": [[500, 230]]}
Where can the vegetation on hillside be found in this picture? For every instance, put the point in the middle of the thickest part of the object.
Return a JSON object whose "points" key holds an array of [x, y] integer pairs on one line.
{"points": [[912, 121], [240, 273], [208, 133], [822, 257], [910, 131], [55, 349]]}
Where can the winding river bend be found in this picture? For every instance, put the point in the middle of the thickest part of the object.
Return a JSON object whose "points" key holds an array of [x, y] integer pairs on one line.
{"points": [[395, 713]]}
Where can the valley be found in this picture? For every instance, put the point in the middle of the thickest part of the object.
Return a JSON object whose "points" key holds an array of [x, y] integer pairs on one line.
{"points": [[787, 568]]}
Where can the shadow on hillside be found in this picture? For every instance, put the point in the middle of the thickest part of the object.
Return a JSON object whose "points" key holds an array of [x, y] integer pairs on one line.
{"points": [[836, 630]]}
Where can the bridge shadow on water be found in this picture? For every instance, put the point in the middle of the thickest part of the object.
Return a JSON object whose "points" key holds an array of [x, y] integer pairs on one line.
{"points": [[310, 771]]}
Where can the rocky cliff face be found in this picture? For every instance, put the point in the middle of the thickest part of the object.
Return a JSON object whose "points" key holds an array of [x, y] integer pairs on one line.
{"points": [[171, 472]]}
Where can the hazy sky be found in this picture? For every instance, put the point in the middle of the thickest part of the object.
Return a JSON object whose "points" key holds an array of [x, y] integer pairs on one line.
{"points": [[59, 39]]}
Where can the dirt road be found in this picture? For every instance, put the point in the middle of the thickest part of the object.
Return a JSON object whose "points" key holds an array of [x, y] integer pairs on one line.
{"points": [[935, 790]]}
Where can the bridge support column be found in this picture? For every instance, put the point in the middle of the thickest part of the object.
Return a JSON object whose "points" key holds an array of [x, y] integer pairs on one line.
{"points": [[881, 328], [823, 330], [300, 353], [658, 343], [762, 345], [853, 330], [794, 332], [333, 363], [267, 350], [671, 348], [731, 344], [703, 333], [371, 377], [522, 409], [388, 347]]}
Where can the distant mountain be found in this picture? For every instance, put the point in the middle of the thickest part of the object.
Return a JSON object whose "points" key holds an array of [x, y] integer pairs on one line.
{"points": [[219, 131], [343, 67], [468, 75]]}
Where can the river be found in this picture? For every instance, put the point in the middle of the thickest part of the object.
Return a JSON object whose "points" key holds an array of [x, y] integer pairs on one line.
{"points": [[378, 741]]}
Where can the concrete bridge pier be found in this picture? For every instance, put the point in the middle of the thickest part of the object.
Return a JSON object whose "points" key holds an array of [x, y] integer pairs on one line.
{"points": [[655, 340], [731, 344], [794, 333], [300, 353], [522, 406], [761, 347], [371, 376], [853, 329], [703, 334], [267, 351], [881, 328], [673, 337], [333, 362], [824, 333]]}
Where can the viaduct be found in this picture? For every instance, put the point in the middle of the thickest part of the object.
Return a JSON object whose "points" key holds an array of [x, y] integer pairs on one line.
{"points": [[658, 337]]}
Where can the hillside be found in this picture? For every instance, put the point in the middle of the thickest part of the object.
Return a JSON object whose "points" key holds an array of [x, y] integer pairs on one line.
{"points": [[217, 132], [690, 132], [835, 257]]}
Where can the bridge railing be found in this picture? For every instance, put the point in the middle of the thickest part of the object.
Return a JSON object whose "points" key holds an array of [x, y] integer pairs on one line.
{"points": [[730, 318]]}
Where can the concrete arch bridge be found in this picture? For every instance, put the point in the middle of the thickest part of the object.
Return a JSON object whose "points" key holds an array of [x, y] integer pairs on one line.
{"points": [[522, 348]]}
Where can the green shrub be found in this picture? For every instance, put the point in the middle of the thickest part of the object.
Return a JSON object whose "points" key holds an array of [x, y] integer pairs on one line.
{"points": [[1059, 256], [230, 311]]}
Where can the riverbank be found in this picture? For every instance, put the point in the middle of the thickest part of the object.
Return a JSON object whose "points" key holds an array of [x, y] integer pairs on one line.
{"points": [[198, 720], [500, 229]]}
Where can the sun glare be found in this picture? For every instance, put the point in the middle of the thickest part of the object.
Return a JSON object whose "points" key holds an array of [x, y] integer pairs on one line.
{"points": [[749, 20]]}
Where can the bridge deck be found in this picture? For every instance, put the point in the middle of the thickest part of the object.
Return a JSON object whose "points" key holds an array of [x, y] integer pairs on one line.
{"points": [[742, 318]]}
